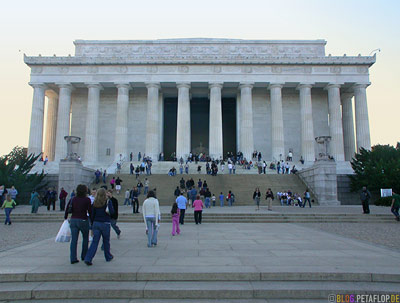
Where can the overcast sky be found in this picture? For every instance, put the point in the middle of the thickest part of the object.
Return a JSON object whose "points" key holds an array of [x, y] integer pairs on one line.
{"points": [[49, 27]]}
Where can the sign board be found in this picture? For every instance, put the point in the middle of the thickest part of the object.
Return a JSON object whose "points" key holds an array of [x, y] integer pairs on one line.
{"points": [[386, 192]]}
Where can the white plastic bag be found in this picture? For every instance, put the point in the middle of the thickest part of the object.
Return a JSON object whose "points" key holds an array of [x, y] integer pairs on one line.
{"points": [[64, 234]]}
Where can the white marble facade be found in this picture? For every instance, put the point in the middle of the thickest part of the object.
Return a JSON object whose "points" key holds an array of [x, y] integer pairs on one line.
{"points": [[287, 92]]}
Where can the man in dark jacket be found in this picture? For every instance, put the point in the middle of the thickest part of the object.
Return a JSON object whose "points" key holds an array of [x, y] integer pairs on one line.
{"points": [[133, 195], [365, 195], [63, 195], [114, 216]]}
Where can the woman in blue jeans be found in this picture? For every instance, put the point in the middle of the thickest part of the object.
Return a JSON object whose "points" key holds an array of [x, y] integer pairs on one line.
{"points": [[102, 209], [152, 218], [80, 206]]}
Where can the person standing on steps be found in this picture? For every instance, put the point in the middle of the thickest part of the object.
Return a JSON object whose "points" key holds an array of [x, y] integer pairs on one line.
{"points": [[118, 185], [104, 176], [221, 199], [307, 198], [269, 196], [135, 200], [63, 195], [79, 207], [139, 186], [34, 201], [175, 212], [146, 186], [152, 218], [198, 209], [127, 200], [112, 182], [207, 196], [257, 197], [395, 205], [365, 196], [182, 203], [177, 192], [102, 209]]}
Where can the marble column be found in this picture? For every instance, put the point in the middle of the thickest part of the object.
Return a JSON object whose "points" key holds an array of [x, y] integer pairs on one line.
{"points": [[307, 124], [153, 120], [161, 121], [215, 129], [51, 124], [246, 120], [335, 122], [278, 141], [362, 121], [121, 127], [183, 133], [348, 126], [238, 104], [37, 117], [63, 120], [92, 123]]}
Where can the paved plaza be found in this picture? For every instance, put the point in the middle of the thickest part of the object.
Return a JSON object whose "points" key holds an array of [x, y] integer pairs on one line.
{"points": [[230, 257]]}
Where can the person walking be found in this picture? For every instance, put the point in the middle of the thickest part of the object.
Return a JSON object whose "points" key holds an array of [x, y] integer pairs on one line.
{"points": [[395, 205], [198, 209], [269, 196], [257, 197], [152, 218], [104, 176], [114, 216], [307, 198], [79, 207], [102, 209], [146, 186], [118, 185], [63, 195], [182, 204], [127, 200], [365, 196], [13, 192], [8, 205], [139, 186], [207, 196], [175, 212], [112, 182], [34, 201], [51, 197]]}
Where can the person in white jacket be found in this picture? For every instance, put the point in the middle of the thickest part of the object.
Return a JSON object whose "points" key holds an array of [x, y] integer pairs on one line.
{"points": [[152, 217]]}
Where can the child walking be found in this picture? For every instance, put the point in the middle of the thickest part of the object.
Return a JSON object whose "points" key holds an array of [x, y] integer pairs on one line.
{"points": [[175, 213]]}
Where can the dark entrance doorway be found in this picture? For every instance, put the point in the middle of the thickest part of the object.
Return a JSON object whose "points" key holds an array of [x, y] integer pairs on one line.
{"points": [[229, 125], [170, 120], [199, 124]]}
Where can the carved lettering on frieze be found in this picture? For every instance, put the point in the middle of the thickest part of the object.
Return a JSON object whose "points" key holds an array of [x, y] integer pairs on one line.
{"points": [[217, 69], [183, 69], [335, 69], [277, 69], [122, 69], [247, 69], [152, 69], [307, 69]]}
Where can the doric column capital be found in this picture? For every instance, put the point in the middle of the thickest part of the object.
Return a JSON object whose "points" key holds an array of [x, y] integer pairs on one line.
{"points": [[94, 85], [305, 85], [246, 85], [332, 85], [215, 84], [275, 85], [360, 86], [65, 86], [51, 94], [38, 85], [123, 85], [153, 84], [183, 85]]}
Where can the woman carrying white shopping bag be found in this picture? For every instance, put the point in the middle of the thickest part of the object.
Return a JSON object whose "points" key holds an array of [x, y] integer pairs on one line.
{"points": [[64, 234], [79, 207]]}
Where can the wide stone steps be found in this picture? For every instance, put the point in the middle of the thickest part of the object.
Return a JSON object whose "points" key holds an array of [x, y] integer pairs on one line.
{"points": [[242, 186], [229, 218], [191, 285]]}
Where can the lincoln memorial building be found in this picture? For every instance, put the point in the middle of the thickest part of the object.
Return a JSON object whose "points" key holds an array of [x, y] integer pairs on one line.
{"points": [[199, 95]]}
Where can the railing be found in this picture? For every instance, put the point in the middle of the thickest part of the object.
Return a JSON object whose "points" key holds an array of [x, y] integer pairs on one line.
{"points": [[310, 188]]}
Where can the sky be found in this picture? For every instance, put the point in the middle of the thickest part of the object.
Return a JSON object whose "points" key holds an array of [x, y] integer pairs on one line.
{"points": [[350, 27]]}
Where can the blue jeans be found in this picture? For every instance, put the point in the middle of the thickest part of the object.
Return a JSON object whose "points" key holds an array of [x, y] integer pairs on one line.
{"points": [[127, 201], [8, 213], [230, 171], [222, 202], [115, 226], [146, 190], [100, 229], [230, 201], [395, 211], [305, 202], [79, 225], [207, 202], [151, 231]]}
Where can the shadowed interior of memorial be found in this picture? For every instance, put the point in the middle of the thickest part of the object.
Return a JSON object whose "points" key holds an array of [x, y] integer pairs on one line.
{"points": [[170, 124], [229, 125]]}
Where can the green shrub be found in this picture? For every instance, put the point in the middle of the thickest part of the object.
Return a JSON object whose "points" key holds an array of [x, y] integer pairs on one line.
{"points": [[385, 201]]}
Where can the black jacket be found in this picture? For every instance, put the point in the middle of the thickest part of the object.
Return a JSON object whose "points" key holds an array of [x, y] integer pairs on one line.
{"points": [[115, 206]]}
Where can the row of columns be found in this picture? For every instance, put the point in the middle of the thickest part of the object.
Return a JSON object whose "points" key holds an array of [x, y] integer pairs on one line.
{"points": [[341, 124]]}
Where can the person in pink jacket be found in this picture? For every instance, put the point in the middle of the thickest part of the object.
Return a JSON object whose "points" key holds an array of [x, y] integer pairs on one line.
{"points": [[175, 212], [198, 209]]}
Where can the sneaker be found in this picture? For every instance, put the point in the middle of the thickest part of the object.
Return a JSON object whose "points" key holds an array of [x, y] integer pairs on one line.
{"points": [[74, 262], [88, 263]]}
